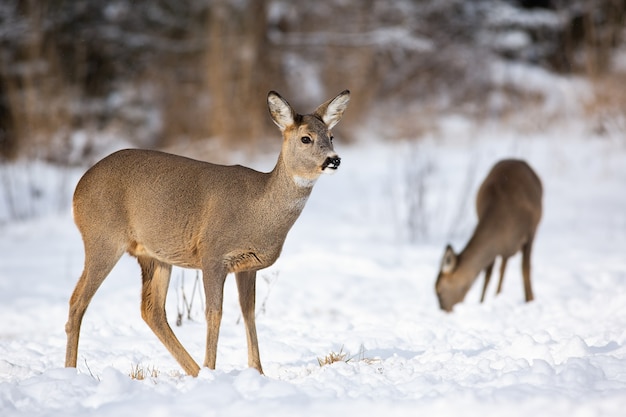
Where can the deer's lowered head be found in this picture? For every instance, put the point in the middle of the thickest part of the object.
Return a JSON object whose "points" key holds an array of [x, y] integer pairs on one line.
{"points": [[452, 284]]}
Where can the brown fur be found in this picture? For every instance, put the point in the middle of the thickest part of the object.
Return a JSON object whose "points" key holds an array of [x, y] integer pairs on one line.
{"points": [[169, 210], [509, 209]]}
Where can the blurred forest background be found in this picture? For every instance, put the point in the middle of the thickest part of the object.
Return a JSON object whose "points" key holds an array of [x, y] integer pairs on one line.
{"points": [[77, 76]]}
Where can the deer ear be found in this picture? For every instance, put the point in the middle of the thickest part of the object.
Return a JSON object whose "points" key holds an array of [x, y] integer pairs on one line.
{"points": [[282, 113], [448, 263], [332, 111]]}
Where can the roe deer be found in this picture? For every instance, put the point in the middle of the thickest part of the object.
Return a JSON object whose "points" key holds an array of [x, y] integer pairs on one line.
{"points": [[169, 210], [509, 209]]}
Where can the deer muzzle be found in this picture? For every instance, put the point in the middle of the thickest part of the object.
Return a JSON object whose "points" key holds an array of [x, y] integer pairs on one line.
{"points": [[331, 162]]}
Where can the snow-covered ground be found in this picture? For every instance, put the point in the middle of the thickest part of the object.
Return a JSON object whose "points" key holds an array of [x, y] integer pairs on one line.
{"points": [[356, 275]]}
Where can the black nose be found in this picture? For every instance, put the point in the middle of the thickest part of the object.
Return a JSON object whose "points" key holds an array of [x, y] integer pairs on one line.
{"points": [[331, 162]]}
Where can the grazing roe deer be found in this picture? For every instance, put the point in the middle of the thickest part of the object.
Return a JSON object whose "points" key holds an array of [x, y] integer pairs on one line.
{"points": [[509, 209], [169, 210]]}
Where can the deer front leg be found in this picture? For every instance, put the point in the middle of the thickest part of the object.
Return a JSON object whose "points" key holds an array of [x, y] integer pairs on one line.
{"points": [[488, 271], [246, 286], [213, 279], [527, 249], [502, 269]]}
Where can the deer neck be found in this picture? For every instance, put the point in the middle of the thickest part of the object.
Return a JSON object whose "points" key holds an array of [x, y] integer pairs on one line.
{"points": [[480, 251], [275, 206], [286, 192]]}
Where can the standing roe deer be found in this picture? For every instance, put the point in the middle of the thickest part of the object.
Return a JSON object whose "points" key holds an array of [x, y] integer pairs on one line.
{"points": [[509, 209], [169, 210]]}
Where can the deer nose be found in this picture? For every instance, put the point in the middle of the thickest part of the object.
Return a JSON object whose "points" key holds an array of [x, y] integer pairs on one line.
{"points": [[331, 162]]}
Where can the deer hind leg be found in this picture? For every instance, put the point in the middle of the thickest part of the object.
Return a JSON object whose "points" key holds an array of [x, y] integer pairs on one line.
{"points": [[246, 286], [213, 278], [156, 278], [99, 261], [502, 269], [488, 271], [526, 250]]}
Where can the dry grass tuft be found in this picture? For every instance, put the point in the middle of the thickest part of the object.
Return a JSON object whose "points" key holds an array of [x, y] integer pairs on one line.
{"points": [[140, 373], [342, 356], [333, 357]]}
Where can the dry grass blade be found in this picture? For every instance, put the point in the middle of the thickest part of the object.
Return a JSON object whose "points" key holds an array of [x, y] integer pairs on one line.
{"points": [[342, 356], [333, 357], [140, 373]]}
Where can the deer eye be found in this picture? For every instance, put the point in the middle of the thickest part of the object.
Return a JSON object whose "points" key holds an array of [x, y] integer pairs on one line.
{"points": [[305, 139], [331, 138]]}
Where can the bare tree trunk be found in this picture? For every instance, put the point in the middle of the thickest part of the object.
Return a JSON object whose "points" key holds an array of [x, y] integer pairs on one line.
{"points": [[236, 69]]}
